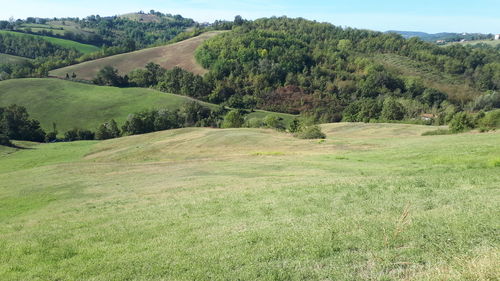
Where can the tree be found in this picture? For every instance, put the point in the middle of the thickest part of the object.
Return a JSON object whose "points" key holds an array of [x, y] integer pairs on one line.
{"points": [[108, 76], [108, 130], [233, 119], [392, 110], [295, 126], [461, 122], [274, 121], [16, 124], [311, 132], [433, 97], [238, 20]]}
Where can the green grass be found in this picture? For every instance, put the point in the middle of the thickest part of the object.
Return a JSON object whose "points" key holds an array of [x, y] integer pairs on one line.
{"points": [[10, 59], [372, 202], [83, 48], [70, 104]]}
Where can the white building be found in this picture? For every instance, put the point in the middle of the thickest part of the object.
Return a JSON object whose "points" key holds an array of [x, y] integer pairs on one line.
{"points": [[497, 37]]}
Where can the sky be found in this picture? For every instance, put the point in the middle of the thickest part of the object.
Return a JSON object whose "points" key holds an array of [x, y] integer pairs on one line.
{"points": [[431, 16]]}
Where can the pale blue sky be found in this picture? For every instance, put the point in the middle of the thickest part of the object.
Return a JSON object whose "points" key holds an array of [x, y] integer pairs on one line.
{"points": [[418, 15]]}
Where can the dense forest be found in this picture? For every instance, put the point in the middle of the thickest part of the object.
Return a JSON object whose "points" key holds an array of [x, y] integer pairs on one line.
{"points": [[295, 65]]}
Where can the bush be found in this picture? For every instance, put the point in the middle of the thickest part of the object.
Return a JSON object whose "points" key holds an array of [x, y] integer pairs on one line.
{"points": [[108, 130], [78, 134], [274, 122], [311, 132], [254, 123], [461, 122], [233, 119], [295, 126], [490, 121], [392, 110]]}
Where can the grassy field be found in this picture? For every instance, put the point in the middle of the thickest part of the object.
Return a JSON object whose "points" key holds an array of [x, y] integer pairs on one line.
{"points": [[372, 202], [83, 48], [454, 85], [70, 104], [5, 58], [179, 54]]}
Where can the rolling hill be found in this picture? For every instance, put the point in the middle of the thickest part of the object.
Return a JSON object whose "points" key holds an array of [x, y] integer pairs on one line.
{"points": [[83, 48], [179, 54], [71, 104], [371, 202]]}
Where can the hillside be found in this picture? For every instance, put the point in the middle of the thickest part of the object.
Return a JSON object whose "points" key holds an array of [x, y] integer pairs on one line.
{"points": [[71, 104], [83, 48], [371, 202], [454, 86], [178, 54], [5, 58]]}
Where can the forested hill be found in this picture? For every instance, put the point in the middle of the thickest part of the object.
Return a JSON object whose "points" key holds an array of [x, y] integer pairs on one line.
{"points": [[296, 65]]}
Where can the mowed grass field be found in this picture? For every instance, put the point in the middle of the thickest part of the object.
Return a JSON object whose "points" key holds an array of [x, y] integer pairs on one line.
{"points": [[371, 202], [179, 54], [78, 105], [83, 48]]}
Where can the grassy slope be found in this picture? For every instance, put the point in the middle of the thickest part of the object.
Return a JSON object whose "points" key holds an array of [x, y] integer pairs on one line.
{"points": [[179, 54], [71, 104], [83, 48], [455, 86], [372, 202], [5, 58]]}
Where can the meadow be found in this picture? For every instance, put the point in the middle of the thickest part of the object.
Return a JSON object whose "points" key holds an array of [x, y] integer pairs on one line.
{"points": [[86, 106], [371, 202], [83, 48], [179, 54]]}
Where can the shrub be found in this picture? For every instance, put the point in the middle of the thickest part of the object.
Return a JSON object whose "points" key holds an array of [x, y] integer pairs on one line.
{"points": [[233, 119], [78, 134], [254, 123], [311, 132], [392, 110], [273, 121], [490, 121], [295, 126], [461, 122], [108, 130]]}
